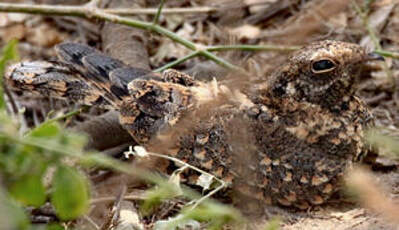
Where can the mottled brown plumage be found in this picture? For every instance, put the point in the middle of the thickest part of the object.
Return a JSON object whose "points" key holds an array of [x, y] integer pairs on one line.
{"points": [[287, 140]]}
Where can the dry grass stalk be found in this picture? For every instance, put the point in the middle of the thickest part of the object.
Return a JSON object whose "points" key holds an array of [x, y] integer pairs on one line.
{"points": [[371, 194]]}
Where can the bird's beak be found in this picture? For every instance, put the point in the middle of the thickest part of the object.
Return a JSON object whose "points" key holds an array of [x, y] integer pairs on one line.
{"points": [[374, 57]]}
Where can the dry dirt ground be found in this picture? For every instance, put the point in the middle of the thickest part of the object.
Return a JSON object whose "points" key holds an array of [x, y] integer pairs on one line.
{"points": [[282, 22]]}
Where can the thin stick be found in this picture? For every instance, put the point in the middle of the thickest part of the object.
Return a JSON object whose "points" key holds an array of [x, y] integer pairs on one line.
{"points": [[116, 209]]}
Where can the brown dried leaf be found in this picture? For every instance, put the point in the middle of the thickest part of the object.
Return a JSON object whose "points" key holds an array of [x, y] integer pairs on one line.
{"points": [[17, 31], [45, 36], [298, 30]]}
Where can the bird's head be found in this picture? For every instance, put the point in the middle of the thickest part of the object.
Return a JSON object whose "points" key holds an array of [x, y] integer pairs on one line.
{"points": [[323, 72]]}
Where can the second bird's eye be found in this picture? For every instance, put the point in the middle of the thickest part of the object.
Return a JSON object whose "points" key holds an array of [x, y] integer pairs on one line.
{"points": [[323, 65]]}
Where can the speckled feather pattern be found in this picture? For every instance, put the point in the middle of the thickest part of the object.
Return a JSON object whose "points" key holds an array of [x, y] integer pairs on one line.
{"points": [[285, 141]]}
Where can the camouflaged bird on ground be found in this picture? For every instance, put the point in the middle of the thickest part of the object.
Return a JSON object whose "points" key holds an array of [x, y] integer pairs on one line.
{"points": [[286, 140]]}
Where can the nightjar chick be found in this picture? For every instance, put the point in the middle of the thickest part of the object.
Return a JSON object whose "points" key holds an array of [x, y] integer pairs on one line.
{"points": [[286, 140]]}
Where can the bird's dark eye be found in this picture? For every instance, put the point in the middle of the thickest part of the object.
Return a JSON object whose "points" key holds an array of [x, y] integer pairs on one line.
{"points": [[322, 66]]}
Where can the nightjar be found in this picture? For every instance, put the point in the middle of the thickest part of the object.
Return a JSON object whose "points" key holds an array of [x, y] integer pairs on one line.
{"points": [[286, 140]]}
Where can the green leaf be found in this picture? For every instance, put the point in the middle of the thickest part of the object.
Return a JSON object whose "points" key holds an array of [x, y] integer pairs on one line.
{"points": [[216, 214], [12, 215], [70, 196], [157, 195], [273, 224], [177, 222], [75, 140], [387, 145], [54, 227], [10, 52], [22, 160], [51, 226], [45, 130], [29, 190]]}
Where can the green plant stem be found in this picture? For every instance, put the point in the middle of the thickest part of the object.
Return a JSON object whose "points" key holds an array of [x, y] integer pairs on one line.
{"points": [[64, 116], [372, 34], [178, 61], [195, 203], [156, 18], [222, 183], [386, 53], [191, 46], [153, 11], [98, 159], [112, 198], [220, 61], [73, 10], [91, 12], [276, 48], [43, 9], [227, 48], [364, 15], [84, 157]]}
